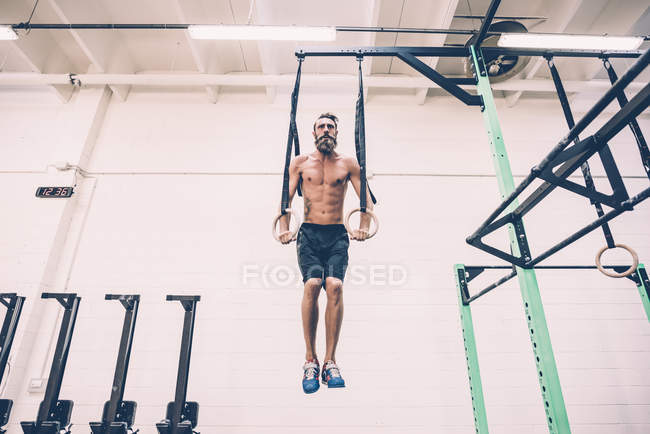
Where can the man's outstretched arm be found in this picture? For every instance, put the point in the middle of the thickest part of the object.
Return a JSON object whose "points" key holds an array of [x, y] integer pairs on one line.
{"points": [[355, 178], [294, 178]]}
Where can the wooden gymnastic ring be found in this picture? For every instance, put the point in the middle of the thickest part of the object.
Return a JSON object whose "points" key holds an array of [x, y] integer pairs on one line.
{"points": [[346, 222], [294, 233], [629, 271]]}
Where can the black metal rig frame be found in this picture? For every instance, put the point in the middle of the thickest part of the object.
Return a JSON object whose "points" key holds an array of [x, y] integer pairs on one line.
{"points": [[54, 414], [182, 416], [568, 158], [554, 170], [118, 415]]}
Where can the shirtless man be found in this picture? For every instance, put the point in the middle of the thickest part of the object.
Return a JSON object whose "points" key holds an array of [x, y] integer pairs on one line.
{"points": [[323, 242]]}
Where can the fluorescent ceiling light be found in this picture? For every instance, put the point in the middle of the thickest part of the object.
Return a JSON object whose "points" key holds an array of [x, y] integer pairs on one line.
{"points": [[571, 42], [7, 33], [270, 33]]}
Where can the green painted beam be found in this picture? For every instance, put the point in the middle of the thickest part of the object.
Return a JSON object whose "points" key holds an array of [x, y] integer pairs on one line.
{"points": [[471, 355], [547, 374]]}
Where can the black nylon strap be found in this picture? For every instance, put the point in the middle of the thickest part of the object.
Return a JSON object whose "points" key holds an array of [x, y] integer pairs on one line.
{"points": [[634, 125], [586, 172], [360, 143], [291, 139]]}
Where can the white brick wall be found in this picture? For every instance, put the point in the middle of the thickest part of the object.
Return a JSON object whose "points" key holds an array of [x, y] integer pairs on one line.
{"points": [[180, 200]]}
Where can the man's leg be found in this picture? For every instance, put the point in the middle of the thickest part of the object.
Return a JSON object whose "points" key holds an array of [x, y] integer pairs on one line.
{"points": [[310, 315], [333, 315]]}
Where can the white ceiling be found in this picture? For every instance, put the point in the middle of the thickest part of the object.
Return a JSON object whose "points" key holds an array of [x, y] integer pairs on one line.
{"points": [[172, 51]]}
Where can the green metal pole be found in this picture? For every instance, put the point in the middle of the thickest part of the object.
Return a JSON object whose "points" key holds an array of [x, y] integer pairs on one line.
{"points": [[556, 415], [643, 285], [471, 355]]}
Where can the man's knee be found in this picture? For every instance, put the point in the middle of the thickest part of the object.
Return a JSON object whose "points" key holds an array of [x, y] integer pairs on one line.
{"points": [[312, 287], [333, 287]]}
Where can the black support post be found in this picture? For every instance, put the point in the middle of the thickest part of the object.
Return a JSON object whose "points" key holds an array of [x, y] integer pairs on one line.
{"points": [[182, 416], [14, 305], [54, 414], [118, 415]]}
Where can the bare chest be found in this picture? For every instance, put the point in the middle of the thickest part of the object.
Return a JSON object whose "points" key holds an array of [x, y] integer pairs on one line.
{"points": [[329, 173]]}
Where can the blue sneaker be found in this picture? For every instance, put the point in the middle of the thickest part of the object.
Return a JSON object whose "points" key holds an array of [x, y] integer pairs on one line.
{"points": [[310, 376], [332, 375]]}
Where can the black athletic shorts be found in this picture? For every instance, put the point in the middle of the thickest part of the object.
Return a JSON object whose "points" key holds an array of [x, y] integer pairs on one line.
{"points": [[322, 251]]}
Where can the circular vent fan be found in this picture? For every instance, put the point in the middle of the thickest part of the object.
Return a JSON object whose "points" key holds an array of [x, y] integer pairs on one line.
{"points": [[501, 67]]}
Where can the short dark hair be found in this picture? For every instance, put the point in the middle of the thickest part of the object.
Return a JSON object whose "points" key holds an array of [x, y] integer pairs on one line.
{"points": [[330, 116]]}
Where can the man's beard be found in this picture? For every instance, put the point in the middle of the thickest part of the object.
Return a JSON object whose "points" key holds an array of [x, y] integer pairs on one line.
{"points": [[326, 144]]}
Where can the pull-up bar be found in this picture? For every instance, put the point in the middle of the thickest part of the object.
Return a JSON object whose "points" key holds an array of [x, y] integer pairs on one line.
{"points": [[460, 52]]}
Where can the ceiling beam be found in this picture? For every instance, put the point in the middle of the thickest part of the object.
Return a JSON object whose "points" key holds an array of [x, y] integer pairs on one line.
{"points": [[442, 20], [374, 12], [264, 13], [563, 13], [307, 81], [104, 50], [192, 11], [42, 54], [615, 20]]}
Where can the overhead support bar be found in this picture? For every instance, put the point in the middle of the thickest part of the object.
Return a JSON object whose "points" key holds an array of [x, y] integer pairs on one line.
{"points": [[458, 52], [474, 270]]}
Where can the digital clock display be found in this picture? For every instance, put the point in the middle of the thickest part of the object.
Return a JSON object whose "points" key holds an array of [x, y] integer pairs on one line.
{"points": [[54, 191]]}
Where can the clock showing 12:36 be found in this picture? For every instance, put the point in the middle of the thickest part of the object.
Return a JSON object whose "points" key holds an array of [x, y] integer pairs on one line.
{"points": [[54, 191]]}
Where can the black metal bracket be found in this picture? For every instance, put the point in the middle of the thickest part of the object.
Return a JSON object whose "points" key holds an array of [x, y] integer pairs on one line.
{"points": [[181, 415], [522, 241], [189, 418], [122, 422], [187, 301], [642, 278], [439, 79], [462, 281], [118, 415], [128, 301], [54, 414], [573, 158], [57, 422], [65, 299]]}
